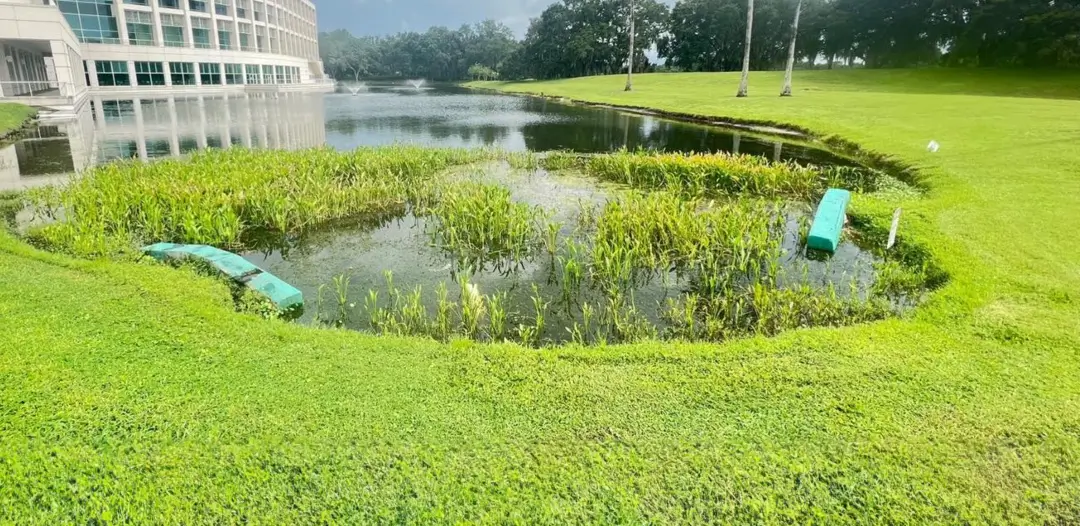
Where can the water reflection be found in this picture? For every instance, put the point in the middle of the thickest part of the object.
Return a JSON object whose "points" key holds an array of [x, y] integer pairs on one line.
{"points": [[150, 128], [155, 127]]}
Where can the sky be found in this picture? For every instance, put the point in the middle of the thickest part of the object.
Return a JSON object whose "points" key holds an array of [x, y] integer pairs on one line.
{"points": [[383, 17]]}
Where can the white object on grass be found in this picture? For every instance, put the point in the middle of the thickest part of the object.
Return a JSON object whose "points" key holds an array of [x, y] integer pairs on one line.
{"points": [[895, 228], [933, 147]]}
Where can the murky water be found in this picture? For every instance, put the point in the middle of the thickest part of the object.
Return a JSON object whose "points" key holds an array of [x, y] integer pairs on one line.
{"points": [[403, 245]]}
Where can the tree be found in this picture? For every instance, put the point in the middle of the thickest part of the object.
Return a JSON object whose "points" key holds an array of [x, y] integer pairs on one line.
{"points": [[630, 57], [786, 91], [744, 84], [482, 72], [590, 37]]}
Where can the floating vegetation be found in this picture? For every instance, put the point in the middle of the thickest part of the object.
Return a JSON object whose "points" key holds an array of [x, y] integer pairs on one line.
{"points": [[687, 247], [218, 196], [480, 224], [718, 174]]}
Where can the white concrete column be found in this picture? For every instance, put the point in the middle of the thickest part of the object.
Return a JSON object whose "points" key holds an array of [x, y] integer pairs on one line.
{"points": [[121, 20], [91, 67], [221, 79], [131, 73], [159, 35]]}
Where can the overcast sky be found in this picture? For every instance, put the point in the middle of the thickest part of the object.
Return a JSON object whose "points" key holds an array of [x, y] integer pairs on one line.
{"points": [[383, 17]]}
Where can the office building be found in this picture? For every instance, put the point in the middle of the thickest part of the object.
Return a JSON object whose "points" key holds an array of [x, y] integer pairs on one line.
{"points": [[58, 52]]}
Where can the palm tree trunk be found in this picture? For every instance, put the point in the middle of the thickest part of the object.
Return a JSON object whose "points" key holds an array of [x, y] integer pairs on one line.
{"points": [[786, 92], [744, 85], [630, 63]]}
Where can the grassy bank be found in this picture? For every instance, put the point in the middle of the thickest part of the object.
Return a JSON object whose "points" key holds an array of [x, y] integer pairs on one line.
{"points": [[13, 116], [135, 393]]}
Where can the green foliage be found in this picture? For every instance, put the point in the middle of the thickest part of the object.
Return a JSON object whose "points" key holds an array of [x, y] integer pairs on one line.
{"points": [[474, 52], [481, 225], [482, 72], [698, 175], [225, 197], [118, 377], [588, 37]]}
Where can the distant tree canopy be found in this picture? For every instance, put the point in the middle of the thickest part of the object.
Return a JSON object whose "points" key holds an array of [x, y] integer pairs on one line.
{"points": [[437, 54], [589, 37]]}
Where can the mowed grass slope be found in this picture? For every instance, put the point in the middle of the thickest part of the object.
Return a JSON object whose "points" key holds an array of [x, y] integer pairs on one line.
{"points": [[133, 393]]}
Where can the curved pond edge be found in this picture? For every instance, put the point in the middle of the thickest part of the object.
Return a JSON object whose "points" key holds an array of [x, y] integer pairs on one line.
{"points": [[833, 143]]}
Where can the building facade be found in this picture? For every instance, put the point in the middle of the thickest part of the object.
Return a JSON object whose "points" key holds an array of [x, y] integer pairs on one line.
{"points": [[58, 51]]}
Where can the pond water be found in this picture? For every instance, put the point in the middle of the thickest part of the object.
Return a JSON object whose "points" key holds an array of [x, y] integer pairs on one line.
{"points": [[365, 251], [159, 126], [150, 128]]}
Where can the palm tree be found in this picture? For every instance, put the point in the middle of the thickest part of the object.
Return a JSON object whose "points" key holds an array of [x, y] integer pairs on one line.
{"points": [[745, 83], [630, 63], [786, 92]]}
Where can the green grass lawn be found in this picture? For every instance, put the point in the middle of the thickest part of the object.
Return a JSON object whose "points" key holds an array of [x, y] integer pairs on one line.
{"points": [[12, 116], [134, 393]]}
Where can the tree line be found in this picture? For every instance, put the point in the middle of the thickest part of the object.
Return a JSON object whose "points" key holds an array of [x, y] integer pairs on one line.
{"points": [[591, 37]]}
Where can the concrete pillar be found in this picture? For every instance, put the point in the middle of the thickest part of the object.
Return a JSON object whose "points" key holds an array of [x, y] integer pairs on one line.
{"points": [[221, 79], [121, 21], [131, 73], [159, 36], [91, 66]]}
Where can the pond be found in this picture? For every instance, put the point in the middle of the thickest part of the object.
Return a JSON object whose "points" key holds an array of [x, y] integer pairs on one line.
{"points": [[161, 126], [381, 271]]}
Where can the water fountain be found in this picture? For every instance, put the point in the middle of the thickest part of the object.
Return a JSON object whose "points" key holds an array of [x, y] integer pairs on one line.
{"points": [[416, 84], [358, 88]]}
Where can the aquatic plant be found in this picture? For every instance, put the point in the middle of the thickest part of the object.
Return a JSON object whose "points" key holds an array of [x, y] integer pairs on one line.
{"points": [[713, 174], [480, 225], [217, 197]]}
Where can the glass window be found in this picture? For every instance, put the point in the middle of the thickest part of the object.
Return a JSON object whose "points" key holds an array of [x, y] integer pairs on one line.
{"points": [[280, 74], [268, 74], [91, 20], [197, 5], [245, 37], [112, 73], [257, 9], [200, 32], [182, 73], [260, 38], [224, 34], [234, 74], [209, 73], [221, 7], [136, 2], [252, 73], [86, 71], [172, 30], [171, 4], [140, 28], [149, 74], [241, 9]]}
